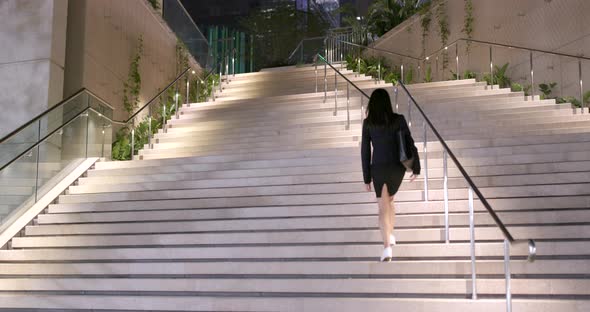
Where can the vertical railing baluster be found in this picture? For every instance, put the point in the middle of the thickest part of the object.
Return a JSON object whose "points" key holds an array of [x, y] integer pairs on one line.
{"points": [[457, 59], [335, 93], [132, 143], [446, 195], [532, 76], [325, 81], [582, 104], [472, 246], [507, 275], [491, 69], [347, 106], [425, 151]]}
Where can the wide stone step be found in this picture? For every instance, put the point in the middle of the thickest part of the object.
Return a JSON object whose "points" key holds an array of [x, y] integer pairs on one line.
{"points": [[337, 252], [356, 269], [305, 304], [458, 286]]}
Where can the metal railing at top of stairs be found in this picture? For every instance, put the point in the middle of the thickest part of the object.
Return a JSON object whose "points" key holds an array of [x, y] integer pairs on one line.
{"points": [[447, 152], [568, 76]]}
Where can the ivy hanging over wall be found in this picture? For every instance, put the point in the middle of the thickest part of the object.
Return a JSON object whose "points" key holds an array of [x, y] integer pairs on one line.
{"points": [[181, 56], [443, 29], [132, 86], [468, 23], [425, 21]]}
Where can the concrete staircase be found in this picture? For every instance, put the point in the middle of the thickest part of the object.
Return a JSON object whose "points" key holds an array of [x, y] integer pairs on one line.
{"points": [[255, 202]]}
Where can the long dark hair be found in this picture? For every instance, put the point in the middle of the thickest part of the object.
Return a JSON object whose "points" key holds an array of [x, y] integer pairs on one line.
{"points": [[380, 113]]}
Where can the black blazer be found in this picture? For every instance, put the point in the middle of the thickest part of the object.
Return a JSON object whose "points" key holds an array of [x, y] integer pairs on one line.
{"points": [[386, 146]]}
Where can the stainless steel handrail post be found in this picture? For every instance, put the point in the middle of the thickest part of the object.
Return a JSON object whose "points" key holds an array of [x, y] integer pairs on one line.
{"points": [[457, 59], [177, 95], [409, 111], [227, 69], [220, 75], [164, 113], [335, 93], [378, 73], [198, 90], [446, 195], [132, 143], [582, 104], [359, 66], [149, 127], [425, 151], [395, 99], [402, 73], [507, 275], [316, 74], [212, 89], [532, 76], [188, 84], [363, 113], [472, 246], [491, 69], [347, 106], [325, 81]]}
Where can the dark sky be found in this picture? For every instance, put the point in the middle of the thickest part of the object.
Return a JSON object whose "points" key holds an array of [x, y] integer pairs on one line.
{"points": [[219, 12], [228, 12]]}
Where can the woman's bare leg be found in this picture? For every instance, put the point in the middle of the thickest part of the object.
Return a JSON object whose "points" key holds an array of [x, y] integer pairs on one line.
{"points": [[385, 216], [392, 213]]}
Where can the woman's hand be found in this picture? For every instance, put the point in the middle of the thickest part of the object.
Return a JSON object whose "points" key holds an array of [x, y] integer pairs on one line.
{"points": [[413, 177], [368, 186]]}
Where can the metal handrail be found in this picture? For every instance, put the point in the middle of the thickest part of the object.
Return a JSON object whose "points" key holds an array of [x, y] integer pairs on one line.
{"points": [[301, 43], [47, 111], [380, 50], [41, 140], [509, 47], [446, 147], [508, 240]]}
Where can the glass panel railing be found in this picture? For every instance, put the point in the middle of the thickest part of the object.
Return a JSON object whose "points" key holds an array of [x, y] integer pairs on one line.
{"points": [[57, 142], [29, 134], [185, 28]]}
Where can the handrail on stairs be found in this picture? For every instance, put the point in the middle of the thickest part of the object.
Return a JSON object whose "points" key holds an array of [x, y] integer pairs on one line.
{"points": [[447, 152], [491, 45]]}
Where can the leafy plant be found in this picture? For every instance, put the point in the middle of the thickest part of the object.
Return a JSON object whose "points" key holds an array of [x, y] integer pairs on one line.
{"points": [[428, 75], [384, 15], [517, 87], [499, 76], [155, 4], [568, 99], [547, 90], [350, 62], [468, 23], [425, 21], [392, 77], [132, 87], [468, 74], [409, 75], [122, 146], [443, 29]]}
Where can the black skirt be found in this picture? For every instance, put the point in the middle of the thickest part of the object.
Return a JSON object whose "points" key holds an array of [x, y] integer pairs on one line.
{"points": [[391, 175]]}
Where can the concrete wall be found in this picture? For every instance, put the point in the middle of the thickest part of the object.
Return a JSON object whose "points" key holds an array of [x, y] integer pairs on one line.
{"points": [[102, 39], [33, 38], [552, 25]]}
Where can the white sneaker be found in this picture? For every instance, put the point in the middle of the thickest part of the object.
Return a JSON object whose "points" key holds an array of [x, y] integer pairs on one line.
{"points": [[392, 240], [387, 254]]}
